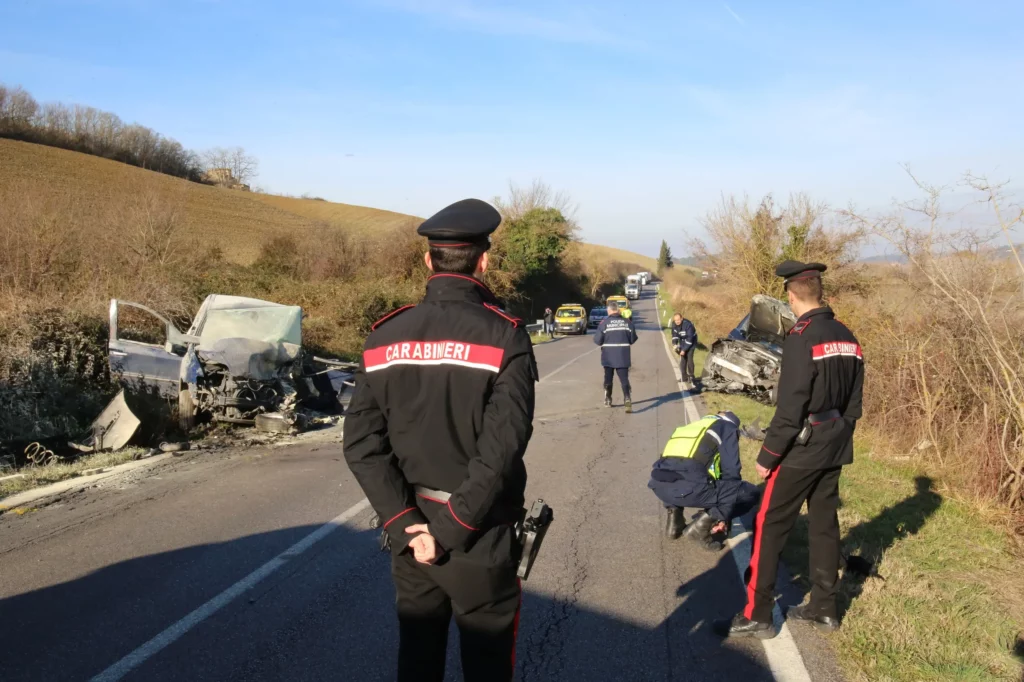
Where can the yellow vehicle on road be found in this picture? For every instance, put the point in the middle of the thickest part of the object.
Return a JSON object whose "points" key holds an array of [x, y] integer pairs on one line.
{"points": [[571, 318], [623, 304]]}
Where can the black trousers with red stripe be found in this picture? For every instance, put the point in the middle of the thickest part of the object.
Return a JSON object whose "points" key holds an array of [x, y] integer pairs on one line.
{"points": [[480, 589], [785, 493]]}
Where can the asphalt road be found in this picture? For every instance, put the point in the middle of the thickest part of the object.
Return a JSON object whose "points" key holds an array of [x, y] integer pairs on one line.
{"points": [[176, 573]]}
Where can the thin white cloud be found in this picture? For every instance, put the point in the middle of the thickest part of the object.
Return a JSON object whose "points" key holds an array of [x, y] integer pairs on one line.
{"points": [[735, 16]]}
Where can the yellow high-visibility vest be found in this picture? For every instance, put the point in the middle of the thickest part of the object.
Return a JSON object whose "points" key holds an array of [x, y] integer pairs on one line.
{"points": [[686, 439]]}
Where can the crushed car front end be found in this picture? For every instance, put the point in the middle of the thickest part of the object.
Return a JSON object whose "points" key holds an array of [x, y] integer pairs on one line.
{"points": [[749, 360], [241, 358]]}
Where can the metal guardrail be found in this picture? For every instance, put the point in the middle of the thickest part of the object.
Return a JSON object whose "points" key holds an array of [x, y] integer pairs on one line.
{"points": [[534, 328]]}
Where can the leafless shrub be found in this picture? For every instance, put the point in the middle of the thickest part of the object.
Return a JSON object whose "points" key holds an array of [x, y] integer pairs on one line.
{"points": [[41, 241], [151, 228], [747, 244], [945, 344]]}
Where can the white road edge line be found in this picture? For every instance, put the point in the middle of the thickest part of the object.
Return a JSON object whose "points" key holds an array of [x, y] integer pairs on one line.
{"points": [[784, 659], [175, 631]]}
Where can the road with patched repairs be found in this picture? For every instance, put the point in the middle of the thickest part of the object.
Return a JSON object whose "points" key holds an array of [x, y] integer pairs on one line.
{"points": [[259, 564]]}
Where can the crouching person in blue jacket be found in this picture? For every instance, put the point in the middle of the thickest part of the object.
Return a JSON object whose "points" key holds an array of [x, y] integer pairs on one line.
{"points": [[700, 467]]}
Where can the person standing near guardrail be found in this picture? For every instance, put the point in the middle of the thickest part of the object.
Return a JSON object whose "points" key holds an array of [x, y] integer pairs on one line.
{"points": [[435, 434], [549, 323], [808, 442], [616, 335]]}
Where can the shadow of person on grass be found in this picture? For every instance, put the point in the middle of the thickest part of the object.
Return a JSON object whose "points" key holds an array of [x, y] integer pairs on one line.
{"points": [[864, 545]]}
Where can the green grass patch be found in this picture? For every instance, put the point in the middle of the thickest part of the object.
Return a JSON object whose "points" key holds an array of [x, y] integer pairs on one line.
{"points": [[43, 475], [950, 603], [540, 338]]}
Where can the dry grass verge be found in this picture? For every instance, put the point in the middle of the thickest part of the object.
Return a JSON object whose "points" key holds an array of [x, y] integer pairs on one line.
{"points": [[44, 475]]}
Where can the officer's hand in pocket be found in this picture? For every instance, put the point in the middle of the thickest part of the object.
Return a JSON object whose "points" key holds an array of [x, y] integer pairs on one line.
{"points": [[424, 547]]}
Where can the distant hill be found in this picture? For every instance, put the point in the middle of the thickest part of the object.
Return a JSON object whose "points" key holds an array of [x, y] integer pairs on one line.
{"points": [[997, 252], [1004, 251], [598, 255], [884, 258], [236, 221]]}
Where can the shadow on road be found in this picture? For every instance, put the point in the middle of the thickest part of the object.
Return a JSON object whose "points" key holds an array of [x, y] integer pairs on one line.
{"points": [[327, 614], [654, 403]]}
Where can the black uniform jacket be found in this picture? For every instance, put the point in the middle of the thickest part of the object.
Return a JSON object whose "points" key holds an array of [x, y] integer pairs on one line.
{"points": [[822, 369], [684, 335], [444, 399]]}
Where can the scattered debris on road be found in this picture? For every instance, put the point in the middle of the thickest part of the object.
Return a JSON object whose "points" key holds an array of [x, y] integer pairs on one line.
{"points": [[39, 455], [114, 427]]}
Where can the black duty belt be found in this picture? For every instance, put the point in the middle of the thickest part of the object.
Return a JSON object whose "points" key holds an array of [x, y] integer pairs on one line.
{"points": [[826, 416], [529, 530]]}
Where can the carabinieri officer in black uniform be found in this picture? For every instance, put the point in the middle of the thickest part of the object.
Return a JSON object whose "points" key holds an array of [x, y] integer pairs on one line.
{"points": [[808, 442], [435, 434]]}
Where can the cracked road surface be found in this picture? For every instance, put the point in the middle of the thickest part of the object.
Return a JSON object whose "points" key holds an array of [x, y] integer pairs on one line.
{"points": [[135, 564]]}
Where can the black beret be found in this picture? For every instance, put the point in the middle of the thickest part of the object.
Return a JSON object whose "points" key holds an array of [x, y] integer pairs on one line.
{"points": [[794, 269], [465, 222]]}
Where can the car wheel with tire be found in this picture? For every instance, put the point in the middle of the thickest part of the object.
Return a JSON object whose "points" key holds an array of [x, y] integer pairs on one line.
{"points": [[186, 411]]}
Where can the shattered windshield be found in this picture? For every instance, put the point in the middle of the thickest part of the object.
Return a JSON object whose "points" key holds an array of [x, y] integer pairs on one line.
{"points": [[271, 325]]}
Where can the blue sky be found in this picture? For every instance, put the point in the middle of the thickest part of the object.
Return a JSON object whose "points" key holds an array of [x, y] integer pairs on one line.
{"points": [[644, 112]]}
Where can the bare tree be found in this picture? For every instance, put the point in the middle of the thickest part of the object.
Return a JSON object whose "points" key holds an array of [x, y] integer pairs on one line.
{"points": [[17, 110], [243, 166], [522, 200]]}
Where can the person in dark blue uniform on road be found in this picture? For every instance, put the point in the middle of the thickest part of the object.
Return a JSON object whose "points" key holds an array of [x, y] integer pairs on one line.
{"points": [[684, 342], [615, 335], [700, 467]]}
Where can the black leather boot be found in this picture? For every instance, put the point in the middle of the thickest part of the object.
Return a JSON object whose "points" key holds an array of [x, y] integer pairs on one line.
{"points": [[674, 523], [809, 615], [741, 626], [629, 403], [607, 396], [700, 527]]}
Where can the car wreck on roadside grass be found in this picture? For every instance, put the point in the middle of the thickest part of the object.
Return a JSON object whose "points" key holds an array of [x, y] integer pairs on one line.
{"points": [[749, 360], [240, 358]]}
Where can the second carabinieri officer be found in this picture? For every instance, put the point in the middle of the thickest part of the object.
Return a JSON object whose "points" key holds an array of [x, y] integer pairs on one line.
{"points": [[808, 442], [435, 434]]}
